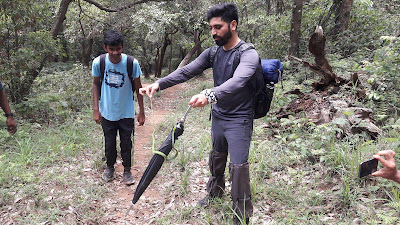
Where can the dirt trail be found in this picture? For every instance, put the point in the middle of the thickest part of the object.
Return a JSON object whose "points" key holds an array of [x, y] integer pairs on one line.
{"points": [[117, 206]]}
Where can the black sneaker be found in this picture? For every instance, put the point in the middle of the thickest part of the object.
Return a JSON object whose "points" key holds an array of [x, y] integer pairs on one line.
{"points": [[204, 202], [108, 174], [128, 179]]}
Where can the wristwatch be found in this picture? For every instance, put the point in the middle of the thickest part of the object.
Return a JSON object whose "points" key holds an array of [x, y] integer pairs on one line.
{"points": [[9, 114]]}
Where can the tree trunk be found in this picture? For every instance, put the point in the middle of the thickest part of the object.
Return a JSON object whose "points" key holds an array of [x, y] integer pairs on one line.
{"points": [[268, 7], [182, 52], [333, 9], [160, 61], [196, 49], [60, 17], [147, 64], [387, 7], [342, 20], [342, 10], [188, 56], [316, 46], [156, 64], [280, 7], [170, 56], [87, 51], [295, 30], [145, 69], [197, 41]]}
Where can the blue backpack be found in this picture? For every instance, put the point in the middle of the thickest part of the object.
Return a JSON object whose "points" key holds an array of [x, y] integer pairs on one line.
{"points": [[267, 74], [272, 70]]}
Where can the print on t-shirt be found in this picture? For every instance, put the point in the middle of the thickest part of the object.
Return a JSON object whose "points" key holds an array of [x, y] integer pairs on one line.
{"points": [[114, 78]]}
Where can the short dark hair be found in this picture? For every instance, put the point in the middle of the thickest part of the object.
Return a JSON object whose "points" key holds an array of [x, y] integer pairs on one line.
{"points": [[227, 11], [113, 38]]}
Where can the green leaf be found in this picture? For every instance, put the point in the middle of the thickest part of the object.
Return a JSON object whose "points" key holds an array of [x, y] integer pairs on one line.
{"points": [[348, 113], [373, 188]]}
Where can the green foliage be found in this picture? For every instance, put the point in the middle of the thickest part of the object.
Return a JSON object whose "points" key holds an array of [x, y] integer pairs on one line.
{"points": [[177, 21], [26, 44], [39, 167], [383, 85], [84, 22], [58, 90], [366, 25], [391, 215], [274, 38]]}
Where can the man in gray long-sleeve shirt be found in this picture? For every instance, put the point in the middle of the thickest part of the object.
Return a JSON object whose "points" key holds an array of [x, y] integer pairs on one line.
{"points": [[232, 114]]}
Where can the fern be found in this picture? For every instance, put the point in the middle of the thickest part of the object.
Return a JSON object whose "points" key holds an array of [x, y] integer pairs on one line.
{"points": [[395, 205], [392, 216], [388, 219]]}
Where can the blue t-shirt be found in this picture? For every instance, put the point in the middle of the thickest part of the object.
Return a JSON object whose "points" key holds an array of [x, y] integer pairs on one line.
{"points": [[116, 101]]}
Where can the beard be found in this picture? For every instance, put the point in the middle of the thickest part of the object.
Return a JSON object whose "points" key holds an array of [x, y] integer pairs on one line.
{"points": [[223, 40]]}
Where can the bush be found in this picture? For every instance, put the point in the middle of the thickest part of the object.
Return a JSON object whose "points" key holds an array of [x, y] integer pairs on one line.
{"points": [[58, 91], [383, 86]]}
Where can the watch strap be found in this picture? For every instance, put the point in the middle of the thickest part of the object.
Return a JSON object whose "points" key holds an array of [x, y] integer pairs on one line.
{"points": [[9, 114]]}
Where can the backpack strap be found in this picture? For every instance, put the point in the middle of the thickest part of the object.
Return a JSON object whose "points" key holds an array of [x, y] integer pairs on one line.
{"points": [[102, 70], [102, 66], [212, 53], [129, 69], [211, 57], [240, 49]]}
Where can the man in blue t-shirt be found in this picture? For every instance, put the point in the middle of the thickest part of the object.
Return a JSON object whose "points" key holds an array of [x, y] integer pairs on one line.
{"points": [[117, 107], [10, 122]]}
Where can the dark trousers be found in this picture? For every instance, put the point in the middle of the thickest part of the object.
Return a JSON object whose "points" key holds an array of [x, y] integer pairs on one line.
{"points": [[232, 135], [126, 129]]}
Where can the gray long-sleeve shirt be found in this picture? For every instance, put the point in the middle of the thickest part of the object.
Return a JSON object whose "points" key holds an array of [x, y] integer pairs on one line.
{"points": [[233, 93]]}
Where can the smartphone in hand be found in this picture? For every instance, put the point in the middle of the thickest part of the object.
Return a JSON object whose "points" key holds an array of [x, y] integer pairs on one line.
{"points": [[368, 167]]}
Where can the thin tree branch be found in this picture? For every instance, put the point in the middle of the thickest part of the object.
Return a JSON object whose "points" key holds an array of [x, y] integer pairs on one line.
{"points": [[314, 68], [91, 17], [80, 19], [101, 7]]}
